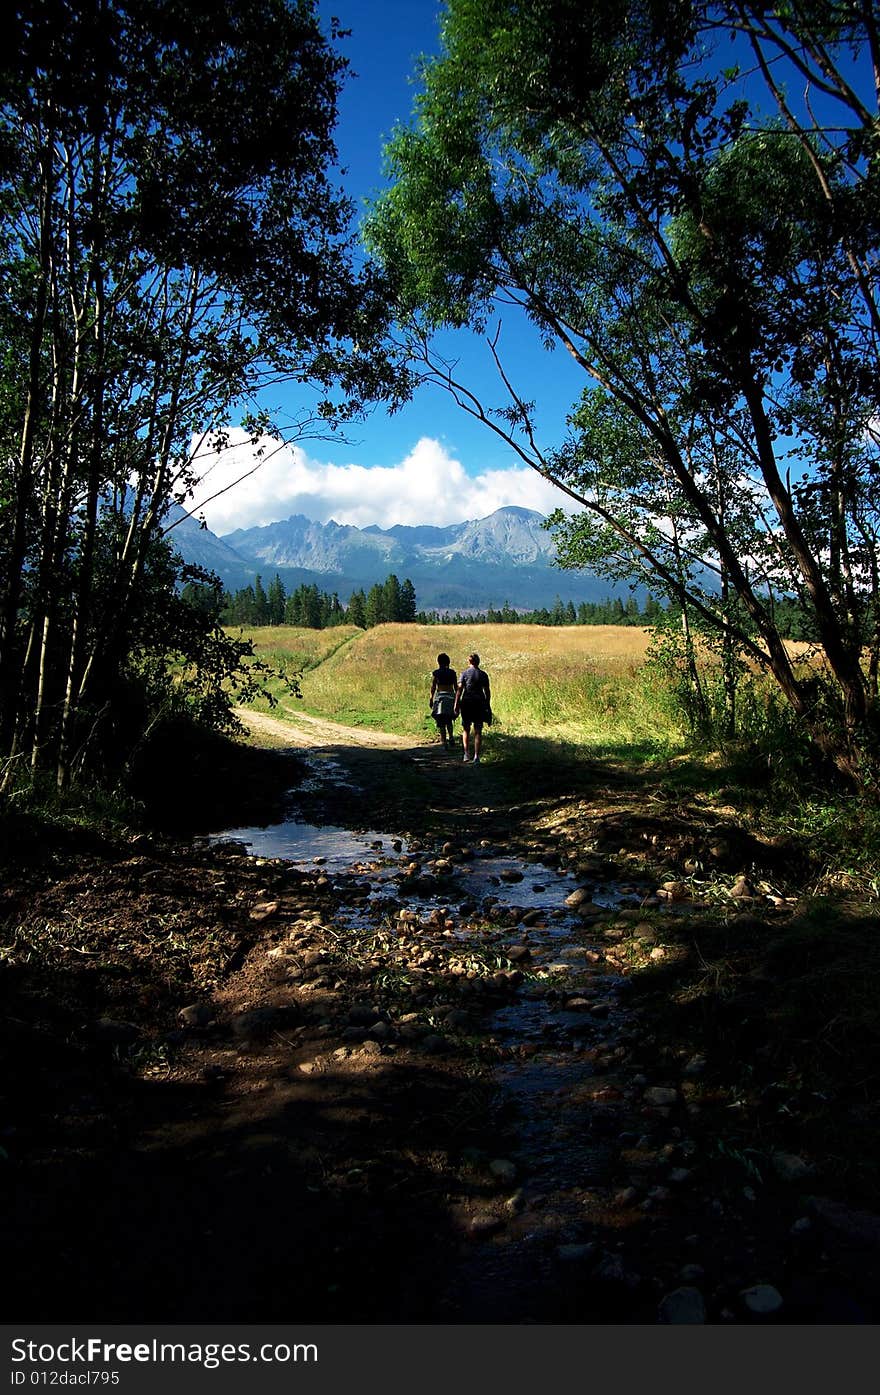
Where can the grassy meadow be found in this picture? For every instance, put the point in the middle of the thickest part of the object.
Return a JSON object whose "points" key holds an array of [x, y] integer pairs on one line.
{"points": [[580, 685]]}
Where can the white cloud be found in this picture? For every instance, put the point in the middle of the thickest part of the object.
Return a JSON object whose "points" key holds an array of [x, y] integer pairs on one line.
{"points": [[429, 486]]}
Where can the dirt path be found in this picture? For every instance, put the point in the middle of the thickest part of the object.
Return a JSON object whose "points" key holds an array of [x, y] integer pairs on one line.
{"points": [[300, 730]]}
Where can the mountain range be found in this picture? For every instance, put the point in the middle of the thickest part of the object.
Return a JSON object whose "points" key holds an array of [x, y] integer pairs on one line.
{"points": [[507, 557]]}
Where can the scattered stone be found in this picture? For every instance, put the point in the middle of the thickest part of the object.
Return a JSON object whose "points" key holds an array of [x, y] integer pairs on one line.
{"points": [[196, 1015], [363, 1014], [692, 1273], [661, 1095], [574, 1254], [682, 1305], [247, 1024], [626, 1196], [695, 1066], [481, 1227], [789, 1167], [674, 891], [611, 1270], [518, 954], [503, 1169], [114, 1032], [742, 888], [762, 1300], [578, 897], [847, 1232], [263, 910], [589, 911]]}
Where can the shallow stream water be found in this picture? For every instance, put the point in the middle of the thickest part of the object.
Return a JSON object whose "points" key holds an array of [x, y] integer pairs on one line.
{"points": [[569, 1004]]}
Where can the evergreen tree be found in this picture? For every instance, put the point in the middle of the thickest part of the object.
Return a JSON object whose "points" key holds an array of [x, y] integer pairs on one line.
{"points": [[407, 601], [261, 604], [357, 609], [375, 606]]}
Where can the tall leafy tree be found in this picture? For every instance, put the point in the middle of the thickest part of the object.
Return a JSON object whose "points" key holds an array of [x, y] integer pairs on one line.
{"points": [[172, 246], [706, 253]]}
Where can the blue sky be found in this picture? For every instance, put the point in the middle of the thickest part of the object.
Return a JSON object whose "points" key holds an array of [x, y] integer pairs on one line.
{"points": [[430, 463]]}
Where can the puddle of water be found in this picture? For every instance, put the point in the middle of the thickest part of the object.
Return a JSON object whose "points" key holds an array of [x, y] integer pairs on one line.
{"points": [[339, 848]]}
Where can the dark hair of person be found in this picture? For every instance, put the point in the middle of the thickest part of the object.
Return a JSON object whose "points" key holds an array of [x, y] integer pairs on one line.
{"points": [[474, 659], [443, 660]]}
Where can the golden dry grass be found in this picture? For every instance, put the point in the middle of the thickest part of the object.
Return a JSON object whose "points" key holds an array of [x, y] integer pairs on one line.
{"points": [[581, 683]]}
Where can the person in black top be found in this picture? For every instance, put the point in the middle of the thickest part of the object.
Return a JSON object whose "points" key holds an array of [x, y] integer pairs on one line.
{"points": [[442, 699], [473, 700]]}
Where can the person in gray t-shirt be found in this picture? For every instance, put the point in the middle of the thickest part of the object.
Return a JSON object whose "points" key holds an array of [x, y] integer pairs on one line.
{"points": [[473, 702]]}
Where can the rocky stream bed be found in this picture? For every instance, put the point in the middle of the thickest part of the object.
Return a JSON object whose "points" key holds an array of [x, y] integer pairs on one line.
{"points": [[324, 1070]]}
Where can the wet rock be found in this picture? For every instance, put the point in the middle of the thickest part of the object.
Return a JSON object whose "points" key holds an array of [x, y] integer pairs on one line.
{"points": [[509, 874], [589, 911], [518, 954], [695, 1066], [662, 1096], [578, 897], [679, 1176], [682, 1305], [433, 1044], [789, 1167], [763, 1300], [851, 1237]]}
